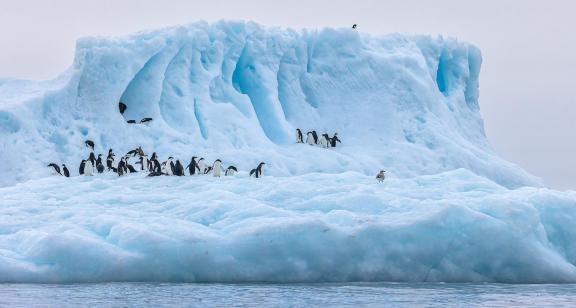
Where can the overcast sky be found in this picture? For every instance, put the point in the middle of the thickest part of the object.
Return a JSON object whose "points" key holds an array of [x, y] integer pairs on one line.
{"points": [[527, 89]]}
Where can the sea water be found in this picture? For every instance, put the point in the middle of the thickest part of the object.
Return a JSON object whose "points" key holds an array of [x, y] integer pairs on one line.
{"points": [[286, 295]]}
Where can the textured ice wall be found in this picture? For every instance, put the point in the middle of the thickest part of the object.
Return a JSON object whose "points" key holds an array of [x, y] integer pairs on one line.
{"points": [[453, 227], [237, 91]]}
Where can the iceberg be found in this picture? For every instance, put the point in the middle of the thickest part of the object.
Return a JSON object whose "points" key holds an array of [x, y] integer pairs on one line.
{"points": [[450, 209]]}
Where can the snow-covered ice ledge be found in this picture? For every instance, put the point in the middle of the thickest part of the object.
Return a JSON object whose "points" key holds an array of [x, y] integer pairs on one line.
{"points": [[309, 228]]}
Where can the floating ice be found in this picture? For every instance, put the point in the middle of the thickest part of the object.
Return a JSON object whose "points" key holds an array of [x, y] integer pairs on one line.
{"points": [[450, 210]]}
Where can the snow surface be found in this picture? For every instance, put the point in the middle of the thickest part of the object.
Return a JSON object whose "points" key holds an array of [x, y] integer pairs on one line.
{"points": [[450, 209], [309, 228]]}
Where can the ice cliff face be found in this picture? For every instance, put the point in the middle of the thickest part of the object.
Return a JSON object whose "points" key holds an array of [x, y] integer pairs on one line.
{"points": [[237, 91]]}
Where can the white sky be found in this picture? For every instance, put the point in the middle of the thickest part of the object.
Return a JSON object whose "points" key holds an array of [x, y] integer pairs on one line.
{"points": [[527, 89]]}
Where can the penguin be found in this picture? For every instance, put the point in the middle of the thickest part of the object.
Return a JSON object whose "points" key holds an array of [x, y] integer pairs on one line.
{"points": [[55, 168], [122, 107], [129, 167], [146, 121], [309, 138], [207, 170], [140, 151], [92, 159], [88, 168], [99, 160], [193, 166], [121, 167], [89, 144], [155, 173], [299, 136], [82, 165], [65, 171], [131, 121], [99, 165], [354, 26], [169, 166], [155, 164], [217, 168], [258, 171], [110, 159], [172, 165], [315, 135], [230, 171], [136, 151], [143, 162], [125, 165], [178, 169], [380, 177], [201, 166], [333, 140], [324, 141]]}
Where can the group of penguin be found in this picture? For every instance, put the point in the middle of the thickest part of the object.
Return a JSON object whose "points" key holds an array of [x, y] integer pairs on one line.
{"points": [[312, 138], [197, 166], [122, 107]]}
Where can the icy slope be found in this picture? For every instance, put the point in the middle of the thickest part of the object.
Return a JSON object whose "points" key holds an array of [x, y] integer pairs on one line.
{"points": [[237, 91], [342, 227]]}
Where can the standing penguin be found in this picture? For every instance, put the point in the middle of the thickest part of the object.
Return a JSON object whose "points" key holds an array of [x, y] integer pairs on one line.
{"points": [[100, 168], [89, 144], [315, 135], [82, 165], [310, 138], [324, 141], [201, 166], [230, 171], [121, 167], [169, 166], [193, 166], [88, 168], [217, 168], [333, 140], [122, 107], [92, 159], [178, 169], [299, 136], [65, 171], [258, 171], [155, 164], [99, 165], [55, 168], [99, 160], [143, 162], [110, 160], [381, 176]]}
